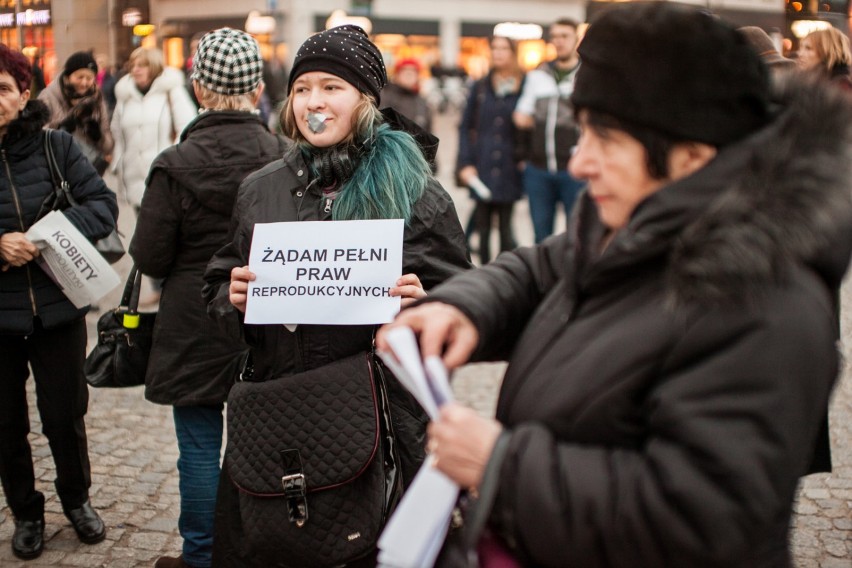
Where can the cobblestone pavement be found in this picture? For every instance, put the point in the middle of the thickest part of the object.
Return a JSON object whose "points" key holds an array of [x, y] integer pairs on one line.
{"points": [[135, 486]]}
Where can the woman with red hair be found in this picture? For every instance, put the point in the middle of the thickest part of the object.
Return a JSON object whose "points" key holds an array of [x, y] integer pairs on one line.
{"points": [[39, 327]]}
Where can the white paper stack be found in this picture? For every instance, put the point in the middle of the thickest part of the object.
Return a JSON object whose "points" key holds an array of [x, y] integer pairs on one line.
{"points": [[416, 530], [71, 260]]}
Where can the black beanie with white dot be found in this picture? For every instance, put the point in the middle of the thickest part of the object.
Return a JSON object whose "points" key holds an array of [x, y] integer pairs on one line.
{"points": [[345, 51]]}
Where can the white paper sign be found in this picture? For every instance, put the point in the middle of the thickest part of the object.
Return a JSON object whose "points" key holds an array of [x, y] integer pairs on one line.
{"points": [[325, 272], [71, 260]]}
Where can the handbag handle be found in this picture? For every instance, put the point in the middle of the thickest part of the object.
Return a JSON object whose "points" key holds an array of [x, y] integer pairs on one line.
{"points": [[130, 296], [480, 508]]}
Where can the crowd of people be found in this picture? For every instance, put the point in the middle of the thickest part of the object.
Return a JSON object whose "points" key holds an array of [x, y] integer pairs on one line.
{"points": [[709, 215]]}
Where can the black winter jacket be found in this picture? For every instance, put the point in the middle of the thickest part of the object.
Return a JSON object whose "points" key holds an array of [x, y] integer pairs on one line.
{"points": [[186, 210], [663, 398], [26, 194], [434, 249]]}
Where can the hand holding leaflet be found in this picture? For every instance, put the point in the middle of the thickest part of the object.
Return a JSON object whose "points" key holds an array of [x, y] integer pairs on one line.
{"points": [[415, 532], [424, 382], [479, 188]]}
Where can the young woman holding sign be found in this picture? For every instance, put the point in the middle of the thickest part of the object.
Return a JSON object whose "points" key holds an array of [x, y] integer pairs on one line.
{"points": [[348, 162]]}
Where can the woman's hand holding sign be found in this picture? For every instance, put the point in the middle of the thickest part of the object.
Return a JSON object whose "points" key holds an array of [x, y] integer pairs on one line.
{"points": [[409, 287], [238, 290]]}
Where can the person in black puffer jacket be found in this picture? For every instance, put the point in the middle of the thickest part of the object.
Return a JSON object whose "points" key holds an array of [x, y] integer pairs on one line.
{"points": [[189, 197], [39, 326]]}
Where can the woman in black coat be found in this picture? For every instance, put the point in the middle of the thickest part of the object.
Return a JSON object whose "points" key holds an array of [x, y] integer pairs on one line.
{"points": [[672, 353], [350, 163], [39, 326], [188, 202], [487, 144]]}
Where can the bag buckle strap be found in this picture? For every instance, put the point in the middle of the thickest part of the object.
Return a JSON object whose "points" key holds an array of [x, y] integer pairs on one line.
{"points": [[295, 487]]}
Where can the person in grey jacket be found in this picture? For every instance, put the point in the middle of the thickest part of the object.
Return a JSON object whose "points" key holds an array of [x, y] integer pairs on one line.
{"points": [[353, 163], [671, 355], [40, 329], [187, 206], [544, 115]]}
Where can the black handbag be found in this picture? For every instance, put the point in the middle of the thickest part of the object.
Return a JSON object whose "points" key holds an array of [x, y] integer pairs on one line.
{"points": [[314, 460], [120, 358], [110, 246]]}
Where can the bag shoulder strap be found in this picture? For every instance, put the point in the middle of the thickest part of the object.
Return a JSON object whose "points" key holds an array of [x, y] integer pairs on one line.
{"points": [[60, 184]]}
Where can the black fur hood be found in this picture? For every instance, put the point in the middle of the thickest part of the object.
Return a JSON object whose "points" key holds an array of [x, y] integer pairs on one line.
{"points": [[32, 119], [781, 197]]}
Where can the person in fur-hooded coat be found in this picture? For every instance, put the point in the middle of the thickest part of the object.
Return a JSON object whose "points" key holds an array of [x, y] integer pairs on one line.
{"points": [[671, 355]]}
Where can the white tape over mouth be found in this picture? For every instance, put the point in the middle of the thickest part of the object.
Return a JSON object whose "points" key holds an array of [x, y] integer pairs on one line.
{"points": [[316, 122]]}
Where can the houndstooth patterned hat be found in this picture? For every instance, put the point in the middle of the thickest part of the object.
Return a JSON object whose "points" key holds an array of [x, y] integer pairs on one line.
{"points": [[228, 62]]}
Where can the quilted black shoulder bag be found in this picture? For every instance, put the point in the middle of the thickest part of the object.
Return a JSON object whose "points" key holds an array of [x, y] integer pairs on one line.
{"points": [[313, 458]]}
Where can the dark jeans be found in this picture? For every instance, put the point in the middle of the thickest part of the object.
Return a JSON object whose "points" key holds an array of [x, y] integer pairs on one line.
{"points": [[484, 213], [62, 396], [199, 437], [544, 190]]}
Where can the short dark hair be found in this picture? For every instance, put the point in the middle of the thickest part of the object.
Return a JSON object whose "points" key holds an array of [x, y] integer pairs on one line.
{"points": [[17, 65], [657, 145], [566, 22]]}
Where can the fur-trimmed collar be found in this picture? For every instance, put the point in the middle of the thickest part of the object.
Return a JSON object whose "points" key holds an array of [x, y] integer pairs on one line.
{"points": [[32, 119], [781, 197]]}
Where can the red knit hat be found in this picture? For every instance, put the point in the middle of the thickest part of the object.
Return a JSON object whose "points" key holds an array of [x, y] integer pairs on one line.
{"points": [[409, 62]]}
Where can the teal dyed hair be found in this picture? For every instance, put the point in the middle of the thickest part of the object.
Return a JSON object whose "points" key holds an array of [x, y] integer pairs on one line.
{"points": [[390, 175], [390, 178]]}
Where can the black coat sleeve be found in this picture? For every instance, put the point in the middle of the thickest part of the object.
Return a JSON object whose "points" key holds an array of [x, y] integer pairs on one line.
{"points": [[217, 276], [434, 245], [502, 296], [155, 240]]}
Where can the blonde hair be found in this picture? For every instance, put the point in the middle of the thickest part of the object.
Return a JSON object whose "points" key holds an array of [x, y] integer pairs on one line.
{"points": [[831, 46], [366, 114], [212, 100], [150, 55]]}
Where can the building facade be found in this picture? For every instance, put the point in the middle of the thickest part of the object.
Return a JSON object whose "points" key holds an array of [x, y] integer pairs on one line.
{"points": [[447, 34]]}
